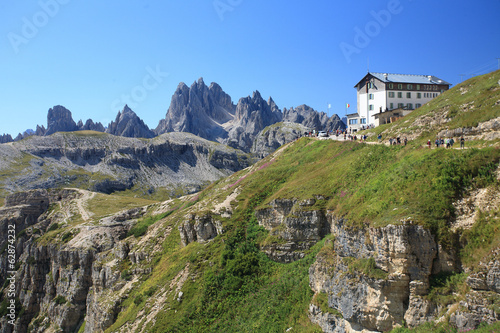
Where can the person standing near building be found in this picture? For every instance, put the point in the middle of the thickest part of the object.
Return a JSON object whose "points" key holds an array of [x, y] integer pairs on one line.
{"points": [[462, 142]]}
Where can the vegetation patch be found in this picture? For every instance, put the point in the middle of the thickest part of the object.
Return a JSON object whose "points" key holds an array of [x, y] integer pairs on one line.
{"points": [[479, 241], [141, 227], [432, 327], [59, 300], [446, 287], [321, 300], [366, 266]]}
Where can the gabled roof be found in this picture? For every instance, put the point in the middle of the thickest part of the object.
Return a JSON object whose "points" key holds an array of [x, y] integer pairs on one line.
{"points": [[405, 78]]}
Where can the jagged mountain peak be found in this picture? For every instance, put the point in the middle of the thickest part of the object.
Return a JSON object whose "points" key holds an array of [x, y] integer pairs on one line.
{"points": [[59, 119], [128, 124], [256, 95]]}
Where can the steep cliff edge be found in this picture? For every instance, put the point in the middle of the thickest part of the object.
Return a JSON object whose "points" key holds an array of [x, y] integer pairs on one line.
{"points": [[65, 263]]}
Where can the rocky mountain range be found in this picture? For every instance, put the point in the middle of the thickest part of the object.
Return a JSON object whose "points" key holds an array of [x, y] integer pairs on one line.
{"points": [[177, 162], [209, 112], [206, 111]]}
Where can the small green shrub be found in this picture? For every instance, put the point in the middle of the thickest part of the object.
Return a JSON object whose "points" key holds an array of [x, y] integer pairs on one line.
{"points": [[67, 236], [60, 300], [126, 275], [141, 227], [53, 226], [150, 291], [138, 299], [445, 286], [321, 300], [367, 267]]}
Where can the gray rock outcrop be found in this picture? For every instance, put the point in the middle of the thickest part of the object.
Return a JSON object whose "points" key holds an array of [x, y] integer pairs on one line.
{"points": [[59, 119], [200, 110], [199, 229], [6, 138], [276, 135], [128, 124], [90, 126], [293, 228]]}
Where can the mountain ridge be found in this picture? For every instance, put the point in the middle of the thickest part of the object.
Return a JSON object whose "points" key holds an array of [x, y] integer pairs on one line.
{"points": [[206, 111]]}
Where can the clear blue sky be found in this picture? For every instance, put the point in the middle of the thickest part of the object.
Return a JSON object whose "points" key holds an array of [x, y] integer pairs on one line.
{"points": [[88, 55]]}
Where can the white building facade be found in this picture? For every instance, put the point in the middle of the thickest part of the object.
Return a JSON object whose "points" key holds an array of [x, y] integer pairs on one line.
{"points": [[381, 92]]}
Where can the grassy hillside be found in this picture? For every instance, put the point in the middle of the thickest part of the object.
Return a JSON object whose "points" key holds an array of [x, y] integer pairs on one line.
{"points": [[465, 106], [234, 287]]}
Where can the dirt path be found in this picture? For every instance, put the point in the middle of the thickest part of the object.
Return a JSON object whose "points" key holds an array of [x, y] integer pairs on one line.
{"points": [[82, 202]]}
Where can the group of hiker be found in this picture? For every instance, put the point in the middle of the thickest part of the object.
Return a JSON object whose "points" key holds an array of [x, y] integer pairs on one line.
{"points": [[448, 142], [439, 142]]}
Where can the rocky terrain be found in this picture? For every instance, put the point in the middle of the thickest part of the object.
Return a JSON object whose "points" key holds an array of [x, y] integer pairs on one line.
{"points": [[180, 162], [128, 124]]}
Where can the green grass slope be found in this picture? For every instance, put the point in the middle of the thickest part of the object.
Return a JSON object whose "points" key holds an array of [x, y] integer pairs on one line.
{"points": [[234, 287], [463, 107]]}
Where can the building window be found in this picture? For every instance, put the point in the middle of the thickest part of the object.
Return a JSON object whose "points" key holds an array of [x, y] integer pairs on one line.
{"points": [[400, 94], [391, 106], [418, 86], [391, 94], [371, 107], [391, 86], [409, 86], [419, 95], [435, 88], [400, 86], [353, 121], [400, 105], [408, 95], [410, 106], [370, 96], [418, 105], [362, 121]]}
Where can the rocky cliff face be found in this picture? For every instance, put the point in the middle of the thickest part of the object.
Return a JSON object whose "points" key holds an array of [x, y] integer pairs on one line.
{"points": [[294, 227], [200, 110], [404, 256], [56, 282], [59, 119], [90, 126], [5, 138], [374, 279], [128, 124], [199, 229]]}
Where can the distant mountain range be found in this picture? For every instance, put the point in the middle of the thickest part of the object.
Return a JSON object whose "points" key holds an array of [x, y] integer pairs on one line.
{"points": [[206, 111]]}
